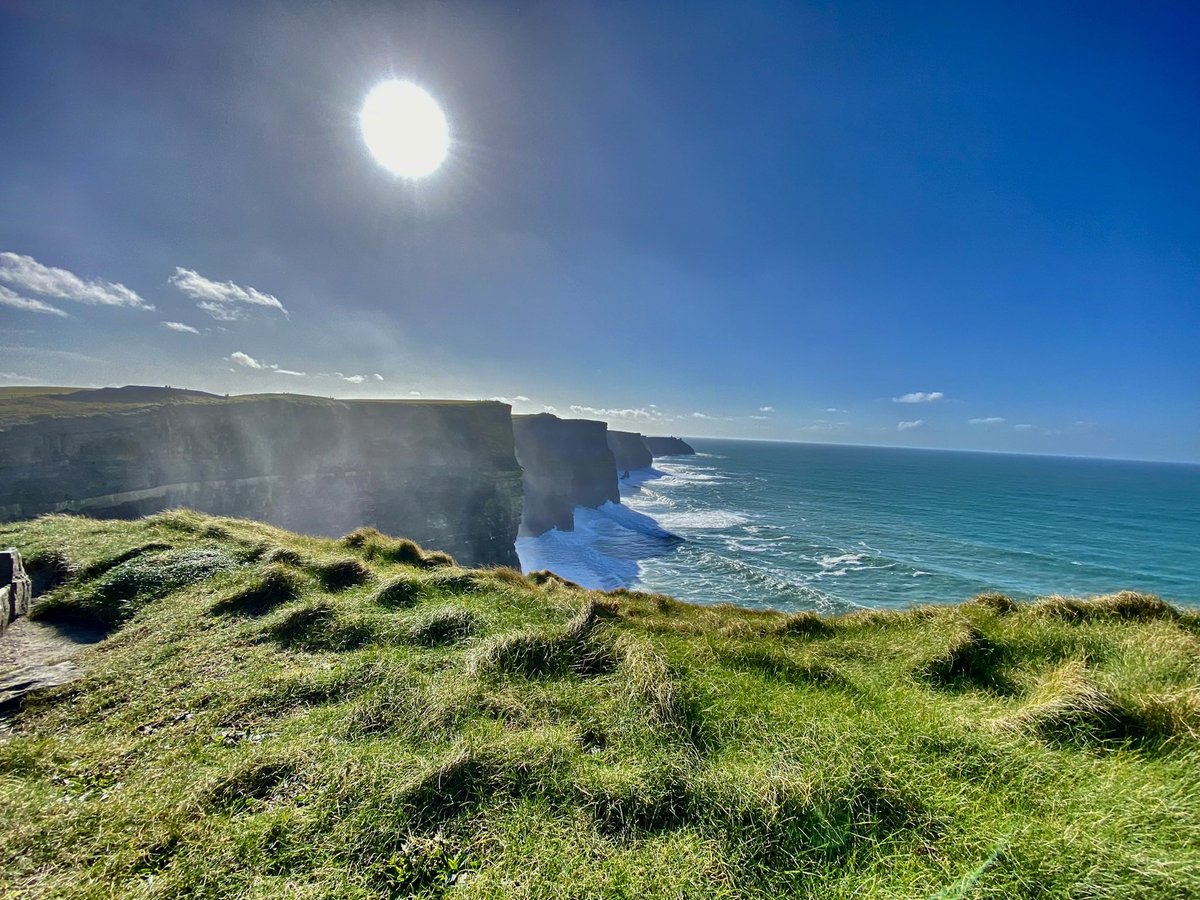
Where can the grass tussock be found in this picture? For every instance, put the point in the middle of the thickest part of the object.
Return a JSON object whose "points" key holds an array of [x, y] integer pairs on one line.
{"points": [[574, 648], [398, 592], [284, 556], [273, 586], [444, 626], [251, 728], [343, 573], [1126, 606], [379, 547], [121, 587], [969, 659]]}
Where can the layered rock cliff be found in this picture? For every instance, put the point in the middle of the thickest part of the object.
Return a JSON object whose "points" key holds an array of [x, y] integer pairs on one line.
{"points": [[567, 463], [629, 450], [668, 446], [442, 473]]}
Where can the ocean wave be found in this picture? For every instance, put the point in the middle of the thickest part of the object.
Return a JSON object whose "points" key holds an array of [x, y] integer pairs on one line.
{"points": [[603, 552], [701, 519]]}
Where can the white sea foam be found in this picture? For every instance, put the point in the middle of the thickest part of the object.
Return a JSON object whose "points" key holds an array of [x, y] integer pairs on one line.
{"points": [[844, 559], [604, 550], [702, 519]]}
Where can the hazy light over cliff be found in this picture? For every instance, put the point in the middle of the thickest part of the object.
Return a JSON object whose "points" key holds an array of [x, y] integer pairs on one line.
{"points": [[404, 129]]}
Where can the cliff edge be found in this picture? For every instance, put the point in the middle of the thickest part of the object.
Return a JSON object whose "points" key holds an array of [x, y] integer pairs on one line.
{"points": [[629, 450], [442, 473], [668, 446], [566, 463]]}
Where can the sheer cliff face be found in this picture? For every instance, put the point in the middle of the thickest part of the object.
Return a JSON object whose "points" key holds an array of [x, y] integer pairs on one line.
{"points": [[567, 463], [629, 450], [668, 446], [443, 474]]}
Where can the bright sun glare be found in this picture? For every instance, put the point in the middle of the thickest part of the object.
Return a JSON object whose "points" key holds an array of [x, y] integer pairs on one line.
{"points": [[404, 129]]}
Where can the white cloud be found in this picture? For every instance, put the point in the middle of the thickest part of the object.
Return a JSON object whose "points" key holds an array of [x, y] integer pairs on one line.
{"points": [[245, 359], [13, 376], [377, 377], [355, 379], [220, 299], [761, 418], [180, 327], [26, 272], [521, 398], [908, 426], [1023, 426], [919, 397], [414, 393], [700, 415], [27, 304], [766, 409], [549, 409], [990, 420], [249, 362], [598, 413], [832, 409], [221, 313]]}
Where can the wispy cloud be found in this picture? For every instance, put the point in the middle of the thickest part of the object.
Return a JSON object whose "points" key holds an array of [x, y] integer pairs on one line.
{"points": [[640, 413], [28, 274], [908, 426], [13, 376], [919, 397], [700, 415], [221, 299], [377, 377], [14, 300], [180, 327], [761, 418], [766, 409], [249, 362], [989, 420], [511, 401], [1023, 426]]}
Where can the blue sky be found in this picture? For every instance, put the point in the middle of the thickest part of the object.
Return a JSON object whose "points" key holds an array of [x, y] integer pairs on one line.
{"points": [[940, 224]]}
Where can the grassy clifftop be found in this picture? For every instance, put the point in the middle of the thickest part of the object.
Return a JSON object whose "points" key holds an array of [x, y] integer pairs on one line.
{"points": [[280, 716]]}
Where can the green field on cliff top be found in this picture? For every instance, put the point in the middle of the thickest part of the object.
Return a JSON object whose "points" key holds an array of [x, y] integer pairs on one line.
{"points": [[279, 716]]}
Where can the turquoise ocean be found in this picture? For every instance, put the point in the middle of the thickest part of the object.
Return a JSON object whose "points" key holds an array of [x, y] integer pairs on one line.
{"points": [[829, 528]]}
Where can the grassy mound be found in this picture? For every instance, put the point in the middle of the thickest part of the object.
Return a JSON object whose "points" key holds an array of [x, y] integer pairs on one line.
{"points": [[281, 716]]}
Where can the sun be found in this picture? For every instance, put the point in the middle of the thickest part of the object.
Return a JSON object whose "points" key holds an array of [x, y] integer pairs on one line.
{"points": [[404, 129]]}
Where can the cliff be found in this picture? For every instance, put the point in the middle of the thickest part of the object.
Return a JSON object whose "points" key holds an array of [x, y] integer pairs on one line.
{"points": [[629, 450], [441, 473], [566, 463], [668, 446]]}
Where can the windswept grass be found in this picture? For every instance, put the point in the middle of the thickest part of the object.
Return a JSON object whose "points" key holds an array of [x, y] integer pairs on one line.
{"points": [[281, 716]]}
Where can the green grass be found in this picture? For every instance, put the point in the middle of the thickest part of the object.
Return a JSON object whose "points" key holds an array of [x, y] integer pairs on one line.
{"points": [[281, 716]]}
